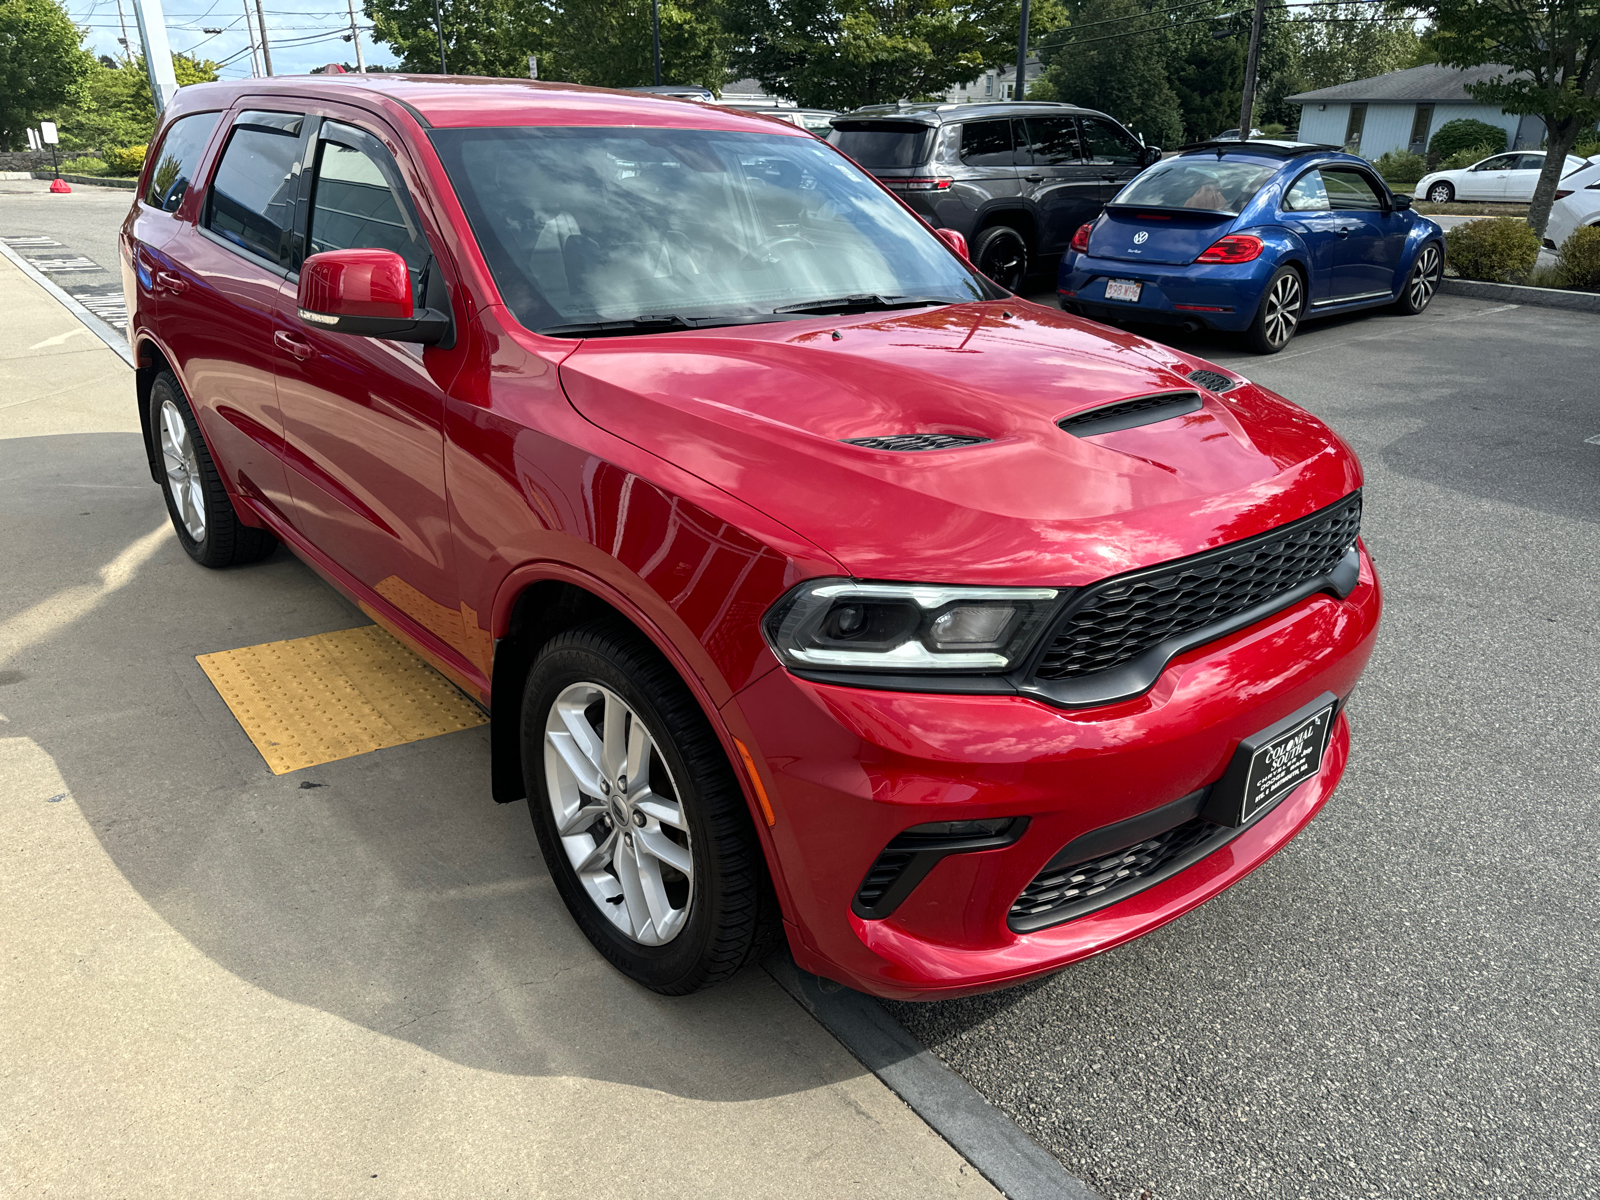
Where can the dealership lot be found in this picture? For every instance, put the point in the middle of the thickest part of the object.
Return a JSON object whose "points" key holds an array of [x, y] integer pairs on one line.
{"points": [[373, 976]]}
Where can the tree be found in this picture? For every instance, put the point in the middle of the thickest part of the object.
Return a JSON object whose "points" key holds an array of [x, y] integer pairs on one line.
{"points": [[1114, 58], [1343, 42], [42, 65], [1551, 51], [483, 37], [606, 43], [114, 109]]}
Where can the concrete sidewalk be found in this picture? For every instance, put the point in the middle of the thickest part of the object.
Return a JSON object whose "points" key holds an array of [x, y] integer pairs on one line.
{"points": [[354, 979]]}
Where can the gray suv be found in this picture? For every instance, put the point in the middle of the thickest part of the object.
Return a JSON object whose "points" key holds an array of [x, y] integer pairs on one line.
{"points": [[1015, 179]]}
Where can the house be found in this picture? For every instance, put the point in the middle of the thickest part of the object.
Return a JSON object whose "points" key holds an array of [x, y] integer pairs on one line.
{"points": [[1401, 110], [998, 83]]}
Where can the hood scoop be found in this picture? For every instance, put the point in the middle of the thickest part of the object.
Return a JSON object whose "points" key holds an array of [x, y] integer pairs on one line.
{"points": [[1214, 381], [911, 442], [1130, 414]]}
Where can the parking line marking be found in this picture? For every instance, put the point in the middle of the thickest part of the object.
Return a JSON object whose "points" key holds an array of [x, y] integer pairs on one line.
{"points": [[315, 700], [1593, 441]]}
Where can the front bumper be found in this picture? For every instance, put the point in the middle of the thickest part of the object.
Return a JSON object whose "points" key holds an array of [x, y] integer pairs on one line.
{"points": [[854, 767], [1219, 296]]}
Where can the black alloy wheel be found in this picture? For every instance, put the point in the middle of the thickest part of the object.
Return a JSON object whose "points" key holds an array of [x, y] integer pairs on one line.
{"points": [[1423, 281], [1002, 255]]}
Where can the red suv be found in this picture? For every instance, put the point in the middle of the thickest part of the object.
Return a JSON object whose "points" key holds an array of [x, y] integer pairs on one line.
{"points": [[813, 584]]}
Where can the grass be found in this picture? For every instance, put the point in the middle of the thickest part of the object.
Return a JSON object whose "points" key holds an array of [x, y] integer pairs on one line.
{"points": [[1474, 209]]}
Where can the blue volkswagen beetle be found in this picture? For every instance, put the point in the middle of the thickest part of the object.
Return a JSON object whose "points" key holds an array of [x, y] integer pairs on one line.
{"points": [[1252, 237]]}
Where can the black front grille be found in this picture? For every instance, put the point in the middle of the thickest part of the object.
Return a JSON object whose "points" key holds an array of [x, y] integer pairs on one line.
{"points": [[1060, 894], [1214, 381], [882, 876], [1120, 618], [916, 441]]}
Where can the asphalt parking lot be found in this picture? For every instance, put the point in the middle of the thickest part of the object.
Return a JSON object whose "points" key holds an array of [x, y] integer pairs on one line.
{"points": [[218, 975]]}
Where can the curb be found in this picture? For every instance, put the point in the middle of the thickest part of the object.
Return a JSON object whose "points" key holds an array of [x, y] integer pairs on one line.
{"points": [[983, 1135], [90, 180], [1511, 293], [94, 324]]}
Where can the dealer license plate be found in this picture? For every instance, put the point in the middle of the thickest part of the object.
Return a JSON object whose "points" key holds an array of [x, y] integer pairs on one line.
{"points": [[1124, 289], [1271, 764]]}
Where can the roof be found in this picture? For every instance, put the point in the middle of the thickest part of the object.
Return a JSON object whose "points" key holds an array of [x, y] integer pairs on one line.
{"points": [[1264, 147], [1443, 85], [937, 112], [464, 101]]}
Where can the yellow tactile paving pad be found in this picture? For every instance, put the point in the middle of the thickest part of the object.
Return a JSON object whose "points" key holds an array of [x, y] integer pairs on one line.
{"points": [[312, 700]]}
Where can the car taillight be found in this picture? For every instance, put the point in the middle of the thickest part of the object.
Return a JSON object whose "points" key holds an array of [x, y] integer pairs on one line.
{"points": [[1080, 240], [1235, 248], [920, 185], [1563, 193]]}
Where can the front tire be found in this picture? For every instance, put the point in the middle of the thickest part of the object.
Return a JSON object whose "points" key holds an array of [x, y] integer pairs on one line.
{"points": [[643, 826], [1442, 192], [201, 511], [1423, 281], [1278, 317], [1002, 255]]}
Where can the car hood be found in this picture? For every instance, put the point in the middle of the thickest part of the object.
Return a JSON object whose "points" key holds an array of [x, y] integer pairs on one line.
{"points": [[763, 413]]}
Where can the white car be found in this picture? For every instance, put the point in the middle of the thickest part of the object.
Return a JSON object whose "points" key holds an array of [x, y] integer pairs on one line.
{"points": [[1577, 204], [1509, 178]]}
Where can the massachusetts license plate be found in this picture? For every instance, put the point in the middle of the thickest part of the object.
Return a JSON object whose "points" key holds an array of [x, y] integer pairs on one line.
{"points": [[1124, 289], [1271, 764]]}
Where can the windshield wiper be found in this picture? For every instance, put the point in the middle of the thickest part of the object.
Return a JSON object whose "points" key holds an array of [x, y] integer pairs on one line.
{"points": [[646, 324], [864, 302]]}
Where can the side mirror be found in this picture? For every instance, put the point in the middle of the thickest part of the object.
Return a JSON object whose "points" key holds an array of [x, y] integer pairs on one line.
{"points": [[1401, 202], [955, 241], [366, 293], [1152, 154]]}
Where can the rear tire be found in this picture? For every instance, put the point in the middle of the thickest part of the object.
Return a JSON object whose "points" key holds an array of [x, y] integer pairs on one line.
{"points": [[1002, 255], [1278, 317], [1442, 192], [1423, 281], [202, 512], [663, 872]]}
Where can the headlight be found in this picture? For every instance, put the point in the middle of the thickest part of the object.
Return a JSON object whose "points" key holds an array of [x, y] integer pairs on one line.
{"points": [[845, 624]]}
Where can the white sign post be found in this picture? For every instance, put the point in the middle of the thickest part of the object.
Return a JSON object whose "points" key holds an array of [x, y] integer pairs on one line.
{"points": [[157, 52], [47, 130]]}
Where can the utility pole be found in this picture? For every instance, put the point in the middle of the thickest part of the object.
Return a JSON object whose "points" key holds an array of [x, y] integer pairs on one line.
{"points": [[266, 50], [157, 52], [1247, 102], [438, 23], [127, 46], [250, 32], [655, 36], [1021, 87], [355, 36]]}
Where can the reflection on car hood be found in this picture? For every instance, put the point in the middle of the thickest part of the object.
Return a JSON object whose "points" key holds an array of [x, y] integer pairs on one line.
{"points": [[763, 413]]}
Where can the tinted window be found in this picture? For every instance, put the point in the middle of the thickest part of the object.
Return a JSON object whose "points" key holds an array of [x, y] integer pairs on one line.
{"points": [[1349, 190], [1530, 162], [177, 159], [1309, 194], [1110, 143], [1211, 184], [360, 202], [581, 224], [1500, 162], [986, 144], [252, 195], [883, 144], [1053, 140]]}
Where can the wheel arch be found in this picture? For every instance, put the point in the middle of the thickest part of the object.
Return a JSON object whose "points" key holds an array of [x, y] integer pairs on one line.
{"points": [[1014, 217], [150, 360]]}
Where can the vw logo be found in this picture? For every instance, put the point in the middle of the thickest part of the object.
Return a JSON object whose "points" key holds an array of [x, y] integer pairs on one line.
{"points": [[1141, 238]]}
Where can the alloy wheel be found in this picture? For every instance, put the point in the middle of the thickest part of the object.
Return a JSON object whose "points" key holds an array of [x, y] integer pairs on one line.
{"points": [[1283, 310], [1004, 264], [1424, 278], [1440, 194], [619, 813], [184, 483]]}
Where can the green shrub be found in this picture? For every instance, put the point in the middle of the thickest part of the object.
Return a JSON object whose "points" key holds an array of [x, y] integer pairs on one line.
{"points": [[1579, 258], [1400, 166], [127, 161], [84, 166], [1273, 130], [1497, 249], [1587, 147], [1464, 133], [1462, 159]]}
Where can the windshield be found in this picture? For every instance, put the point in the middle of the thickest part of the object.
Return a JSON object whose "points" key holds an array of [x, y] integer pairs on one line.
{"points": [[583, 225], [1211, 185]]}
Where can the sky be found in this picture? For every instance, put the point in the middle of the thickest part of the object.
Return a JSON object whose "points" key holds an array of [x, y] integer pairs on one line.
{"points": [[301, 33]]}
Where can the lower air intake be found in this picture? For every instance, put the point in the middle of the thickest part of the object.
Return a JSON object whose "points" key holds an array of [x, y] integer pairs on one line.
{"points": [[916, 441]]}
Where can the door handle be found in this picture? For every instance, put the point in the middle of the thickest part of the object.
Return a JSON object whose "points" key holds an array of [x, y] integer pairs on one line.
{"points": [[291, 345], [1344, 232], [1033, 178], [172, 281]]}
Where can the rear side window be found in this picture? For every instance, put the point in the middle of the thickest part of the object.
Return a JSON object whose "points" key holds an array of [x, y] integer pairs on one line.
{"points": [[1053, 140], [1531, 162], [360, 202], [1110, 143], [1309, 194], [252, 195], [883, 145], [177, 159], [987, 144]]}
